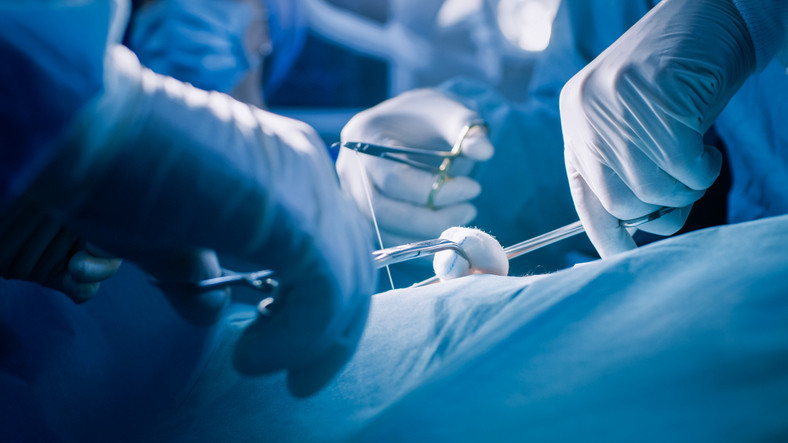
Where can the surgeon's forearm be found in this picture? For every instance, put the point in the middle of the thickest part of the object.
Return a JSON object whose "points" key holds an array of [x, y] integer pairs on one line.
{"points": [[159, 164], [767, 22]]}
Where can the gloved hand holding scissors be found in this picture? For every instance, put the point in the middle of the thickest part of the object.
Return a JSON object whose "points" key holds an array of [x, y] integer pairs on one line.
{"points": [[634, 118], [164, 174], [413, 202]]}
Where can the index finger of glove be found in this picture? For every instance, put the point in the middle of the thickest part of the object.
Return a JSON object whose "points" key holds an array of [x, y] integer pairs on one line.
{"points": [[669, 223], [406, 183], [87, 268], [419, 221], [476, 144], [671, 144], [422, 118], [603, 229]]}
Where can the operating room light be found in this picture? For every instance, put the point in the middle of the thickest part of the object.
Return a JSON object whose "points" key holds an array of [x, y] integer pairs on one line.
{"points": [[527, 24]]}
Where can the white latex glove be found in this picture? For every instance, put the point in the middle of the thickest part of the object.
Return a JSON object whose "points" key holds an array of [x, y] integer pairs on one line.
{"points": [[164, 174], [634, 118], [425, 119], [38, 248]]}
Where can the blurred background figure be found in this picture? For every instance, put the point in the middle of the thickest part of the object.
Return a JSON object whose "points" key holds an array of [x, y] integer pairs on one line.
{"points": [[219, 45], [359, 53], [325, 60], [427, 42]]}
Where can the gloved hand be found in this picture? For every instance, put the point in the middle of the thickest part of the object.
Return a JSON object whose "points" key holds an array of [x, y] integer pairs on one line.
{"points": [[38, 248], [634, 118], [426, 119], [164, 174]]}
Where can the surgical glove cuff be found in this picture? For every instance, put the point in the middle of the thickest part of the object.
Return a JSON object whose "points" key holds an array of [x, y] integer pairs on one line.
{"points": [[767, 22]]}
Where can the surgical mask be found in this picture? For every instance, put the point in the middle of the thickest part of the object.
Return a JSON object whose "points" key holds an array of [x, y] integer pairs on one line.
{"points": [[212, 44]]}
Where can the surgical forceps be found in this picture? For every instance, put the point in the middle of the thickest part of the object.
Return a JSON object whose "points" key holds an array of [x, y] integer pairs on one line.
{"points": [[262, 280], [564, 232], [399, 154]]}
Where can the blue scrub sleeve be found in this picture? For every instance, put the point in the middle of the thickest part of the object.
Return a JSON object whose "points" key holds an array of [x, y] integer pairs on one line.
{"points": [[288, 28], [52, 66], [767, 21]]}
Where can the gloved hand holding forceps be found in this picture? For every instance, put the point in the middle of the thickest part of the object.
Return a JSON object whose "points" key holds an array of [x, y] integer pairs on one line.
{"points": [[634, 118], [412, 203]]}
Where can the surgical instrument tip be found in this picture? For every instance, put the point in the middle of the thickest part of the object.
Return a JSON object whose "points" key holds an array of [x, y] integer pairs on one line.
{"points": [[396, 254], [540, 241]]}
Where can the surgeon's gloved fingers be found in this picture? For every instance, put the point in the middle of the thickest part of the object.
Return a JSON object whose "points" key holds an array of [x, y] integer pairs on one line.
{"points": [[176, 272], [476, 144], [620, 199], [354, 183], [85, 273], [674, 176], [676, 148], [453, 191], [88, 268], [422, 118], [447, 117], [669, 223], [413, 221], [307, 379], [701, 171], [43, 258], [78, 292], [39, 248], [402, 182], [603, 229], [418, 221], [648, 181]]}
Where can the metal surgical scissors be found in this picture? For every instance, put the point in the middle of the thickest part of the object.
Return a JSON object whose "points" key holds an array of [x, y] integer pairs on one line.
{"points": [[400, 153]]}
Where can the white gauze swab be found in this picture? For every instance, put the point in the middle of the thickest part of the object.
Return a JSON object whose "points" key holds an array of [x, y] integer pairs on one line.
{"points": [[485, 253]]}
